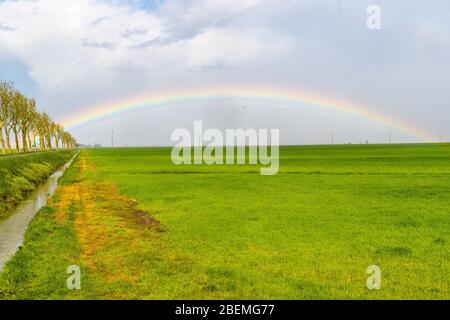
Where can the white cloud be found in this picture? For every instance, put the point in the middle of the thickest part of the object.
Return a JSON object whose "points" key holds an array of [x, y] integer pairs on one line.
{"points": [[84, 52]]}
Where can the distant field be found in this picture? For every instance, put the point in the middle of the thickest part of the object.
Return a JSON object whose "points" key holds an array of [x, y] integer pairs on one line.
{"points": [[309, 232]]}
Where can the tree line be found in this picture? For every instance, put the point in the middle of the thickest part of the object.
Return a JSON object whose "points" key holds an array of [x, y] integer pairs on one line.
{"points": [[20, 120]]}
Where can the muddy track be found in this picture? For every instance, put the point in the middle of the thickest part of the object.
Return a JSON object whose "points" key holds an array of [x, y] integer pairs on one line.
{"points": [[103, 221]]}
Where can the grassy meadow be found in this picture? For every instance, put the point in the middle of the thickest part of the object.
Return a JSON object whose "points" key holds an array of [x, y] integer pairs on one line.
{"points": [[142, 227]]}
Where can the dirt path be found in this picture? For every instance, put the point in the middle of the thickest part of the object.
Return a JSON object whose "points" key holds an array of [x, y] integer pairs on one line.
{"points": [[113, 233]]}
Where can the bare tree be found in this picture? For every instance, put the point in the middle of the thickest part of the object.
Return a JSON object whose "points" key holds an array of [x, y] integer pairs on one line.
{"points": [[50, 132], [34, 130], [18, 115], [18, 104], [30, 134], [68, 140], [6, 95], [59, 131], [42, 122], [2, 140], [27, 114]]}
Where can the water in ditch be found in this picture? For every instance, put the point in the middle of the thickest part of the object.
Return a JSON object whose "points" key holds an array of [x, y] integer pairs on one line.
{"points": [[12, 229]]}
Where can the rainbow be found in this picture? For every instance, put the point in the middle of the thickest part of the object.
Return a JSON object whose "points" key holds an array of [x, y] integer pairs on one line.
{"points": [[290, 97]]}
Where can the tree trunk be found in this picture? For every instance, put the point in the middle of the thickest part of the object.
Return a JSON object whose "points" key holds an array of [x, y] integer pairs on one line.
{"points": [[2, 141], [24, 141], [8, 142], [35, 144], [16, 139], [49, 143], [41, 143], [30, 143]]}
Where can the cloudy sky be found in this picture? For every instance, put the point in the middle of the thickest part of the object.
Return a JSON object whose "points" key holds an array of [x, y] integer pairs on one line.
{"points": [[75, 55]]}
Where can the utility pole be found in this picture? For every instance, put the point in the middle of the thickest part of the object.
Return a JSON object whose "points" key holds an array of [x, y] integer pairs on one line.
{"points": [[112, 139], [440, 136], [332, 138], [390, 138]]}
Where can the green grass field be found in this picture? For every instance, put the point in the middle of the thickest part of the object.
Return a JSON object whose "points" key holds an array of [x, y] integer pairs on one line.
{"points": [[309, 232]]}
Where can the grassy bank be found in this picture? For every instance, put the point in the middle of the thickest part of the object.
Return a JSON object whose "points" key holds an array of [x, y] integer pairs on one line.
{"points": [[20, 175], [220, 231]]}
